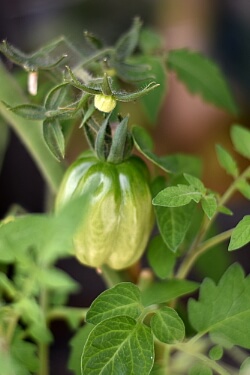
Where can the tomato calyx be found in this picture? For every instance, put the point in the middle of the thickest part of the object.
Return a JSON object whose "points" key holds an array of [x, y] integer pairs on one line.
{"points": [[111, 143]]}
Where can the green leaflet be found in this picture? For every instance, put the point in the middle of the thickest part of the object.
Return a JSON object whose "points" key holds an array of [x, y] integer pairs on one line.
{"points": [[167, 326], [122, 299], [241, 234], [118, 345], [241, 140], [221, 307], [202, 76]]}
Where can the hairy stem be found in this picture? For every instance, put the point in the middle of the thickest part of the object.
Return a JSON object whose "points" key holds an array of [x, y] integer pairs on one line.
{"points": [[193, 256]]}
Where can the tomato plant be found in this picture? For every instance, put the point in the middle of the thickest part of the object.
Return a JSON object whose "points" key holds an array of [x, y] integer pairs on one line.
{"points": [[145, 221]]}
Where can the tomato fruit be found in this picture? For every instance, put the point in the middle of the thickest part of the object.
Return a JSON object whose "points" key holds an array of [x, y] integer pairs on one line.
{"points": [[118, 215]]}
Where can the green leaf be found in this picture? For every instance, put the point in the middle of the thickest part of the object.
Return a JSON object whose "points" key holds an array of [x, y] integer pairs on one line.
{"points": [[225, 210], [167, 326], [223, 310], [160, 258], [241, 234], [76, 344], [53, 136], [55, 279], [173, 224], [209, 205], [28, 111], [227, 161], [164, 291], [200, 369], [177, 196], [7, 285], [216, 352], [154, 100], [127, 42], [202, 76], [122, 299], [132, 72], [150, 41], [143, 143], [32, 315], [195, 182], [24, 353], [49, 236], [118, 345], [244, 188], [241, 140]]}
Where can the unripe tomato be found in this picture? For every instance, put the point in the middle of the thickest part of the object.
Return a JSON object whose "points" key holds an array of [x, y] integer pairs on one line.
{"points": [[118, 216]]}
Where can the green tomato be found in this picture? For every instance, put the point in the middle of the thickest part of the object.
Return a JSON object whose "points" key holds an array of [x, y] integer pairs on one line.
{"points": [[118, 215]]}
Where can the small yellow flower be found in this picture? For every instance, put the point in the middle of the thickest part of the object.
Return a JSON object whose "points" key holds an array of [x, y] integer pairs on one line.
{"points": [[104, 103]]}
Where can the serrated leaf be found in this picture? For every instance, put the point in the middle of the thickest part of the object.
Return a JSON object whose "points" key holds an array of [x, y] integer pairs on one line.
{"points": [[160, 258], [241, 140], [164, 291], [118, 345], [122, 299], [223, 310], [76, 344], [209, 205], [244, 188], [177, 196], [241, 234], [227, 161], [167, 326], [173, 224], [53, 136], [202, 76], [196, 182]]}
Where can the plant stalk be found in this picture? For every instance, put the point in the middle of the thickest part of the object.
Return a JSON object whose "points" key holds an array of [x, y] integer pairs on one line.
{"points": [[29, 131], [43, 348]]}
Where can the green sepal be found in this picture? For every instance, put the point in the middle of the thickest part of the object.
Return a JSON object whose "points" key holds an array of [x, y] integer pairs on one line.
{"points": [[90, 130], [106, 85], [31, 62], [122, 143], [54, 138], [103, 140], [93, 40], [132, 72], [128, 42], [56, 96], [28, 111], [80, 85]]}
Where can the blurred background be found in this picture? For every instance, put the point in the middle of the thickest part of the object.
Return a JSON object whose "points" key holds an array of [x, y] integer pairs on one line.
{"points": [[220, 29]]}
